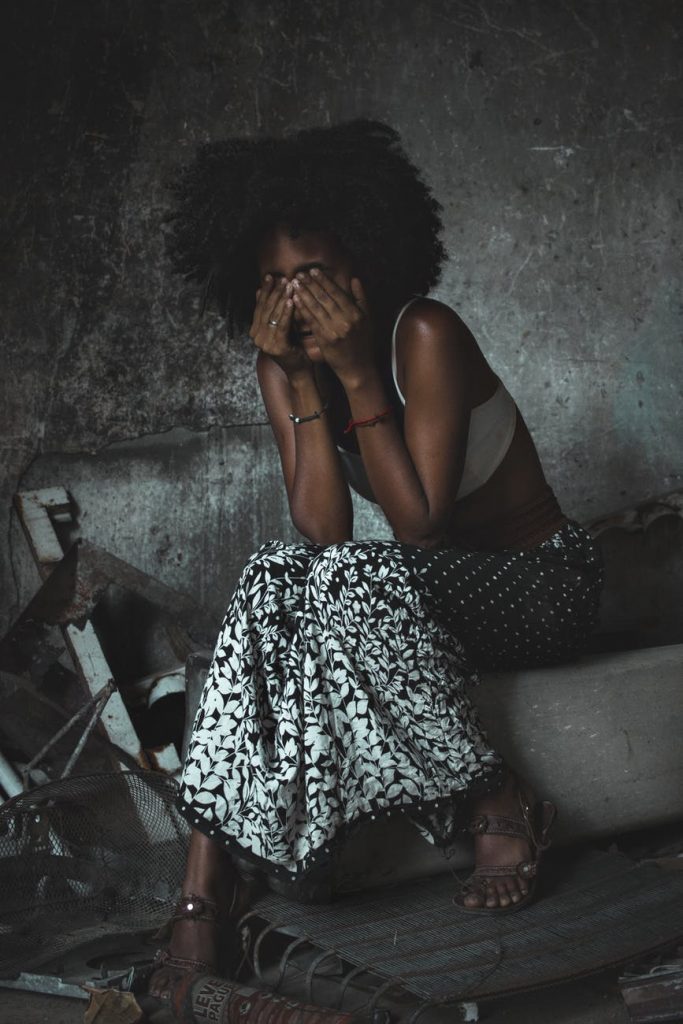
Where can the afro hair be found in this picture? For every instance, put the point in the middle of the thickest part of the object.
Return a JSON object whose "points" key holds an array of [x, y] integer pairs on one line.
{"points": [[352, 180]]}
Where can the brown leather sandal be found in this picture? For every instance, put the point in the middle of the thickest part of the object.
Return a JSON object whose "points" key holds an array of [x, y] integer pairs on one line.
{"points": [[534, 826]]}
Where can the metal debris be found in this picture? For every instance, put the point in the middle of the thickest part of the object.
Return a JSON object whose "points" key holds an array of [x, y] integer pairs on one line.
{"points": [[96, 707], [654, 993], [639, 517], [74, 584], [205, 997]]}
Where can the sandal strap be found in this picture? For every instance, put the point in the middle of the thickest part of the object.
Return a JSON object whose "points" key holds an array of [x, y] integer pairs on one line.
{"points": [[524, 869], [536, 833], [500, 825], [191, 907], [196, 908], [547, 813], [164, 959]]}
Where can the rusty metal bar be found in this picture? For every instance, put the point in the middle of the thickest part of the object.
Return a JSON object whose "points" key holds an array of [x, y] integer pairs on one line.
{"points": [[376, 996], [96, 704], [347, 981], [284, 960], [310, 973], [257, 947], [100, 703]]}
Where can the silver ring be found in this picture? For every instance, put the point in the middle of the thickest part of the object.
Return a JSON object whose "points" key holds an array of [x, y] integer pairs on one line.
{"points": [[273, 323]]}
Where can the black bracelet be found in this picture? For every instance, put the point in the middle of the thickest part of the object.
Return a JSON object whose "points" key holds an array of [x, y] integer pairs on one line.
{"points": [[307, 419]]}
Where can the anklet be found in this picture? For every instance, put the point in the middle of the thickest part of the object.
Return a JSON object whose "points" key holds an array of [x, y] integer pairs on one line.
{"points": [[196, 908]]}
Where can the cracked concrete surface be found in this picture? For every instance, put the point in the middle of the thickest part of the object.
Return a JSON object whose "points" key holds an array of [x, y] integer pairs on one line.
{"points": [[550, 133]]}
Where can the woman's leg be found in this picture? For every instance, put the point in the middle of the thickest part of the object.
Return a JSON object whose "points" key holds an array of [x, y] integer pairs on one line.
{"points": [[512, 609], [196, 944], [209, 874]]}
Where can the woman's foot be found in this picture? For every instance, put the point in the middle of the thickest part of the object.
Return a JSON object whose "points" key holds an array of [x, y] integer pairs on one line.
{"points": [[507, 845], [199, 933]]}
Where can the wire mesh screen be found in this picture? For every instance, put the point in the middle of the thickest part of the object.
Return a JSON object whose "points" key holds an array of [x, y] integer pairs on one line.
{"points": [[86, 856]]}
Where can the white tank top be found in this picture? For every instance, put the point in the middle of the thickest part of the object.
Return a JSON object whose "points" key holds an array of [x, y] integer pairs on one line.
{"points": [[492, 426]]}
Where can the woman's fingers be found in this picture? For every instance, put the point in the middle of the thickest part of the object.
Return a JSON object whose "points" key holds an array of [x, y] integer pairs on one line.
{"points": [[358, 293], [342, 298], [275, 300], [282, 313], [330, 296], [262, 298], [276, 321], [305, 299], [272, 317]]}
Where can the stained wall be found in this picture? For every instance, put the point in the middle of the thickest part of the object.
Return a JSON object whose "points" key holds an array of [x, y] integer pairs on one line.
{"points": [[551, 133]]}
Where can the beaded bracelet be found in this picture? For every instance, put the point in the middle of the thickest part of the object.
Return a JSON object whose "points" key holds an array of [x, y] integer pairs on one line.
{"points": [[370, 422], [307, 419]]}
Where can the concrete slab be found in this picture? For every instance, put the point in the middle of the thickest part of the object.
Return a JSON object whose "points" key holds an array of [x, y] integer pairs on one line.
{"points": [[600, 737]]}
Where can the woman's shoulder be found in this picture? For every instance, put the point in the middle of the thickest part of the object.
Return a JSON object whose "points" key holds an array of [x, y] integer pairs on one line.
{"points": [[432, 338], [429, 325]]}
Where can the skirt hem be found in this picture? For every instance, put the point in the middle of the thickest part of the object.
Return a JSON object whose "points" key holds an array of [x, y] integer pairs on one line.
{"points": [[417, 811]]}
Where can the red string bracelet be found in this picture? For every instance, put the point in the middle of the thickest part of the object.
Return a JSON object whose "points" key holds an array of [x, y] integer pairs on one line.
{"points": [[370, 422]]}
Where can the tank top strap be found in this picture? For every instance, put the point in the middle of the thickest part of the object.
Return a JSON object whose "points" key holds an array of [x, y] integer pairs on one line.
{"points": [[393, 346]]}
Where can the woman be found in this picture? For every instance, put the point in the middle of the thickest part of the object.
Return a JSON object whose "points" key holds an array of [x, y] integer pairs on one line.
{"points": [[338, 688]]}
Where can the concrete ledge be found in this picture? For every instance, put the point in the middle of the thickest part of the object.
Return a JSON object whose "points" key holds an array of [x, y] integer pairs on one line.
{"points": [[600, 737]]}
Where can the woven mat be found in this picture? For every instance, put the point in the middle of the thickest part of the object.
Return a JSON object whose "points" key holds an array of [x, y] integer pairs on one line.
{"points": [[597, 910]]}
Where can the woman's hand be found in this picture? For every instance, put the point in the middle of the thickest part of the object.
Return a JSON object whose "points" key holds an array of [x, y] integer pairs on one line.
{"points": [[270, 327], [340, 323]]}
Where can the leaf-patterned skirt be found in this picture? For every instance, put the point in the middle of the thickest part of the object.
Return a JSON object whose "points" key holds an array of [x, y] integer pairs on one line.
{"points": [[338, 692]]}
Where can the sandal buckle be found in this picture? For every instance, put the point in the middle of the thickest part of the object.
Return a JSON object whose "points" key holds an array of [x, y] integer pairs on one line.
{"points": [[479, 825], [527, 869], [192, 907], [195, 908]]}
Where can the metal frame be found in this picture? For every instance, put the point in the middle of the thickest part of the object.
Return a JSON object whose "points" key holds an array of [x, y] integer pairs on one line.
{"points": [[73, 582]]}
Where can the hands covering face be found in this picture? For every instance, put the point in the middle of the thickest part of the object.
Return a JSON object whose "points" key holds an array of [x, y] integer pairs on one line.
{"points": [[270, 327], [339, 321]]}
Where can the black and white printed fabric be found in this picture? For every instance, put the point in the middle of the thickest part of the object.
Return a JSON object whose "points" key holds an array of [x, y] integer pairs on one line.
{"points": [[338, 690], [516, 609]]}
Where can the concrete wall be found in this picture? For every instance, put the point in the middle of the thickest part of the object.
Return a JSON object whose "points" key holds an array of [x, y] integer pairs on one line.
{"points": [[550, 132]]}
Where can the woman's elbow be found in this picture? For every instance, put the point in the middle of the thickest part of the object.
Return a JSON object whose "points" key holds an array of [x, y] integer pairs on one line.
{"points": [[425, 538], [320, 533]]}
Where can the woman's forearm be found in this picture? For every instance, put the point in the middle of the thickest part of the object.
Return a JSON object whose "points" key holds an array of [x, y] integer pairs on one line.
{"points": [[390, 469], [320, 503]]}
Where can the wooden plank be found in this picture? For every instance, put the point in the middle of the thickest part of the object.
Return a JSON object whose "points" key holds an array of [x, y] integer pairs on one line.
{"points": [[34, 516]]}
